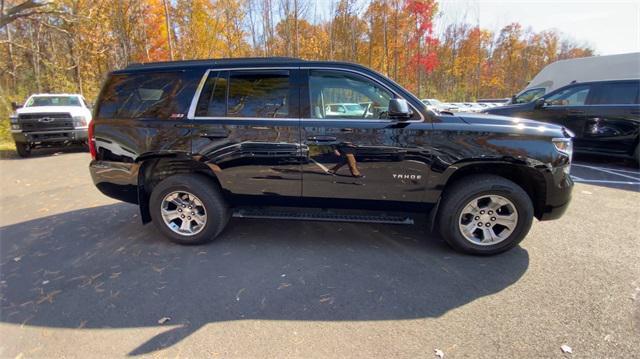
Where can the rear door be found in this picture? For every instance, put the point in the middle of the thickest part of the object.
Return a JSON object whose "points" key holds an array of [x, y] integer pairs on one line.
{"points": [[246, 129], [359, 154], [612, 117]]}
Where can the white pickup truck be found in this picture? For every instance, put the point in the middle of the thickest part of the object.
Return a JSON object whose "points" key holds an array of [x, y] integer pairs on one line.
{"points": [[50, 120]]}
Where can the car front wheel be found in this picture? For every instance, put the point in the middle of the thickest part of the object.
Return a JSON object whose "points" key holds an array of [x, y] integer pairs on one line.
{"points": [[23, 149], [485, 214], [188, 209]]}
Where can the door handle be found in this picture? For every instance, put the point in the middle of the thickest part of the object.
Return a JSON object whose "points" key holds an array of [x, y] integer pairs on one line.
{"points": [[322, 138], [183, 125], [346, 130], [576, 112], [635, 112]]}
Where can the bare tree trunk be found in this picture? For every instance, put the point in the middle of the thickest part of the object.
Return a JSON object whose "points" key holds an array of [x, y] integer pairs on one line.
{"points": [[168, 21], [12, 63]]}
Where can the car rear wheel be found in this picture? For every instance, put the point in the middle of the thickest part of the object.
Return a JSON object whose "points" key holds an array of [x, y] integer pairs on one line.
{"points": [[23, 149], [485, 214], [188, 209]]}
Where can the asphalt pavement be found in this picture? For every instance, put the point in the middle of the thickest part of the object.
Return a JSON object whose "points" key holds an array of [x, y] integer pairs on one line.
{"points": [[81, 277]]}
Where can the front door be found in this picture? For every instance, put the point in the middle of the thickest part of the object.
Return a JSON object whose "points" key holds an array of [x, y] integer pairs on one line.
{"points": [[246, 129], [355, 151], [567, 108]]}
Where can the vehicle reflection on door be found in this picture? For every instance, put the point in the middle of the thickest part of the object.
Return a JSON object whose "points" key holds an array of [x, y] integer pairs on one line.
{"points": [[365, 161]]}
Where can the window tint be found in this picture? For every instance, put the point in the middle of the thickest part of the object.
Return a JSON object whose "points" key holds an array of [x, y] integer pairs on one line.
{"points": [[529, 95], [258, 94], [622, 93], [146, 95], [572, 96], [213, 99], [336, 94]]}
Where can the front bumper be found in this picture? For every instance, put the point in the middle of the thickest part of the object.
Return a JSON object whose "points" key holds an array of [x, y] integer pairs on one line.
{"points": [[50, 137], [558, 196]]}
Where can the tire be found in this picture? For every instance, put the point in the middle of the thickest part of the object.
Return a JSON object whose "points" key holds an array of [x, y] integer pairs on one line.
{"points": [[23, 149], [486, 192], [216, 212]]}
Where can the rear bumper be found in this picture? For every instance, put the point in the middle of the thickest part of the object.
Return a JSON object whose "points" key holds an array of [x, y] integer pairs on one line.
{"points": [[116, 179], [51, 137], [558, 196]]}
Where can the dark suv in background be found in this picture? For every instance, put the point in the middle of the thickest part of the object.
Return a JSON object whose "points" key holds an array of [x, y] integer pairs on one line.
{"points": [[195, 142], [603, 115]]}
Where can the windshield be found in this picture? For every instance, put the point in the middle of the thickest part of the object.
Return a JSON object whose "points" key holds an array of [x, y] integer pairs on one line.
{"points": [[528, 96], [53, 101]]}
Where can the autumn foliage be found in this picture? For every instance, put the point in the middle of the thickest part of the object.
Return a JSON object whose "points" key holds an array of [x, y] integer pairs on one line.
{"points": [[70, 45]]}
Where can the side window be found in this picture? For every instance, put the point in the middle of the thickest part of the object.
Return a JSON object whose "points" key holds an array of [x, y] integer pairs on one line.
{"points": [[213, 99], [622, 93], [337, 94], [145, 95], [258, 94], [572, 96]]}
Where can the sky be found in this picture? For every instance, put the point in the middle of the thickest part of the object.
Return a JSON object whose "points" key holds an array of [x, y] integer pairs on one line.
{"points": [[608, 27]]}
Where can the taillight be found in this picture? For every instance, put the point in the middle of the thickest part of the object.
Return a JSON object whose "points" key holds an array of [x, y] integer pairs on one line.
{"points": [[92, 140]]}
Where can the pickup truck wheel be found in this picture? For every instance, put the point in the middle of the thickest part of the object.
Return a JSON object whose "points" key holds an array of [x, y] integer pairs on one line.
{"points": [[485, 215], [188, 209], [23, 149]]}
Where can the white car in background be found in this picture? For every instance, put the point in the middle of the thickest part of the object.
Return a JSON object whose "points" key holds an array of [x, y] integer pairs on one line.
{"points": [[50, 120], [437, 105]]}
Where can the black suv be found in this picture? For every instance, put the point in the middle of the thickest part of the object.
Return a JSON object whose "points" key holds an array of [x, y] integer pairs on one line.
{"points": [[195, 142], [603, 115]]}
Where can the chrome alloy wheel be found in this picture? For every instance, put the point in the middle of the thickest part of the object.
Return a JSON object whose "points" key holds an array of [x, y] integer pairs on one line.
{"points": [[183, 213], [488, 220]]}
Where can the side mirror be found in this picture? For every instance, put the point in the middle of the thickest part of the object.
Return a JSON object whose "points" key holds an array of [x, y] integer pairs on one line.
{"points": [[539, 103], [15, 105], [399, 109], [514, 99]]}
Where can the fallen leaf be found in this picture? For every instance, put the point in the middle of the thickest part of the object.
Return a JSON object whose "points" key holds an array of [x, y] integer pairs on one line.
{"points": [[566, 349], [163, 320], [284, 285], [439, 353], [45, 282], [238, 294], [17, 259]]}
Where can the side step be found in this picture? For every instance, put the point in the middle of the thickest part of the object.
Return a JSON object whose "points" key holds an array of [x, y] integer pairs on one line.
{"points": [[320, 216]]}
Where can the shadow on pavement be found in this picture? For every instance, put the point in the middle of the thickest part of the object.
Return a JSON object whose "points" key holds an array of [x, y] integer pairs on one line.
{"points": [[99, 268]]}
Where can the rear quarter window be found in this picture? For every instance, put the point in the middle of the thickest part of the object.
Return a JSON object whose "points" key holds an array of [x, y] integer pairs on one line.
{"points": [[148, 95], [616, 93]]}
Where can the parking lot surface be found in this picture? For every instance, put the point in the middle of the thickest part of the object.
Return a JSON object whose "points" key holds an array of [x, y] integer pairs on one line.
{"points": [[81, 277]]}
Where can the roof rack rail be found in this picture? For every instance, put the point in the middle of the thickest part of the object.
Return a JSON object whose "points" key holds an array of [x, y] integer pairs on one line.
{"points": [[211, 61]]}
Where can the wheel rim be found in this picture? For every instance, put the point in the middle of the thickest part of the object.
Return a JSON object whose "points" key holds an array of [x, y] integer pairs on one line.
{"points": [[183, 213], [488, 220]]}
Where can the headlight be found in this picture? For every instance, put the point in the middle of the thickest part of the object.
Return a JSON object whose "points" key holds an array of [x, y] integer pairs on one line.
{"points": [[13, 118], [564, 146], [15, 126], [79, 121]]}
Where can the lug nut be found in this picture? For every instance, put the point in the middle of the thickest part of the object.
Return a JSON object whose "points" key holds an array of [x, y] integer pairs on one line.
{"points": [[488, 224], [479, 224], [182, 216], [481, 212], [179, 210], [477, 218], [183, 206], [493, 218], [189, 217], [490, 212]]}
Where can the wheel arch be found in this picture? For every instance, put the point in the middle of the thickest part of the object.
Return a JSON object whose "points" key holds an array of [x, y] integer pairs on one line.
{"points": [[529, 179], [155, 168]]}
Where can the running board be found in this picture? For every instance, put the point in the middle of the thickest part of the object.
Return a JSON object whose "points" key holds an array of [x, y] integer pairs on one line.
{"points": [[320, 216]]}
